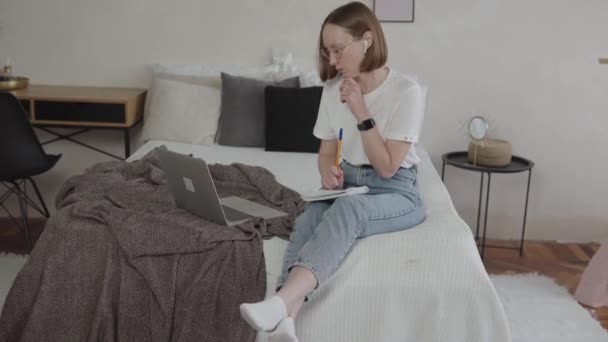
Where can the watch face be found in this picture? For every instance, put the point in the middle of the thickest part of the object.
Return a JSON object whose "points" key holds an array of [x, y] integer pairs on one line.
{"points": [[366, 125]]}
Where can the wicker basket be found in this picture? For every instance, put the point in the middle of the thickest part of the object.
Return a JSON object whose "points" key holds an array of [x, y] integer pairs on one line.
{"points": [[489, 152]]}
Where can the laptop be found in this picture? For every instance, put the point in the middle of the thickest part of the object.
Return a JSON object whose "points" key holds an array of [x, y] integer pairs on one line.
{"points": [[193, 189]]}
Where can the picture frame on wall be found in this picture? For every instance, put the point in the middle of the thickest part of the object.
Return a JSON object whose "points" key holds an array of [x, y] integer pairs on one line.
{"points": [[394, 11]]}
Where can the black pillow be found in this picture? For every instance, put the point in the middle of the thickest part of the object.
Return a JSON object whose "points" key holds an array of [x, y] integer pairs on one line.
{"points": [[291, 114]]}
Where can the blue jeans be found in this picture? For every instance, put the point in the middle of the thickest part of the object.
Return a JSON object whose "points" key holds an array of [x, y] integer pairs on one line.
{"points": [[326, 230]]}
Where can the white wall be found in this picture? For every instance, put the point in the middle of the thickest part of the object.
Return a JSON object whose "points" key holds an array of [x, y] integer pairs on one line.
{"points": [[531, 66]]}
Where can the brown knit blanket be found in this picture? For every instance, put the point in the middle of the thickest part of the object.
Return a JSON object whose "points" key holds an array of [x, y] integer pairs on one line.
{"points": [[119, 262]]}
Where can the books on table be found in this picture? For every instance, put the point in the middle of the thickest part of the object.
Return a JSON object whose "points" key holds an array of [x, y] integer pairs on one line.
{"points": [[324, 194]]}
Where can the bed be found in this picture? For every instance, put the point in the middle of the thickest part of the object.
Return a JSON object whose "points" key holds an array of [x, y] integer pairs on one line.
{"points": [[423, 284]]}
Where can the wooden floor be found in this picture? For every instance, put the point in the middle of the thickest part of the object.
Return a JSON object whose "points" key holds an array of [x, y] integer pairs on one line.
{"points": [[12, 239], [563, 262]]}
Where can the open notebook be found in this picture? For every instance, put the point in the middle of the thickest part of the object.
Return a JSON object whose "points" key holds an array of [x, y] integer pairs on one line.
{"points": [[323, 194]]}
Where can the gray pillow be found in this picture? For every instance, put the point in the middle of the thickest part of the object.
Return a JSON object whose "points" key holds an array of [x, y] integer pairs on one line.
{"points": [[243, 113]]}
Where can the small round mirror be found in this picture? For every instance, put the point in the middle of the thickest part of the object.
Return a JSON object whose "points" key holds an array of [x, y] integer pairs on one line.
{"points": [[478, 128]]}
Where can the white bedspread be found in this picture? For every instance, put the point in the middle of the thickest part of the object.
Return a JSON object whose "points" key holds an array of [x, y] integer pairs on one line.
{"points": [[424, 284]]}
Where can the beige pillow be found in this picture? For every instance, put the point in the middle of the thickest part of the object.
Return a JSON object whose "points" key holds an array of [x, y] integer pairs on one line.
{"points": [[183, 109]]}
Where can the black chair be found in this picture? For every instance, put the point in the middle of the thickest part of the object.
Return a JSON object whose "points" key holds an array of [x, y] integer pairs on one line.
{"points": [[21, 158]]}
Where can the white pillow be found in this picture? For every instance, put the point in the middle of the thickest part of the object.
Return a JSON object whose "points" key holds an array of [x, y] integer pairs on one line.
{"points": [[183, 102], [283, 58], [182, 110], [310, 79], [260, 72]]}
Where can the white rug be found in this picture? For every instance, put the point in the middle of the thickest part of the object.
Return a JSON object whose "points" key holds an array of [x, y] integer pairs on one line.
{"points": [[538, 309], [10, 265]]}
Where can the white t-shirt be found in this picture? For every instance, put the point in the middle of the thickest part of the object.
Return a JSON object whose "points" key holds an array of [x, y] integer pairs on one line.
{"points": [[397, 107]]}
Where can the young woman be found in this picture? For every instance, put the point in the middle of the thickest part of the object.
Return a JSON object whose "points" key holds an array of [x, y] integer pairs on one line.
{"points": [[380, 111]]}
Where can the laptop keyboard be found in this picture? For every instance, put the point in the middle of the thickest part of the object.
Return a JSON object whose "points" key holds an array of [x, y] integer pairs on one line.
{"points": [[234, 215]]}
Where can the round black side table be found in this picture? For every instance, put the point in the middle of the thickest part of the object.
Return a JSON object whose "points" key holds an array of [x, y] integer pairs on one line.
{"points": [[518, 164]]}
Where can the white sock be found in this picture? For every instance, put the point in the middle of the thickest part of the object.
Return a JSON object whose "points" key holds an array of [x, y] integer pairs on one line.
{"points": [[284, 332], [265, 315]]}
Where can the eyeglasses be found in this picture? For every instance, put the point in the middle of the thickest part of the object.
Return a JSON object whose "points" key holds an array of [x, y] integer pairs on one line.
{"points": [[326, 54]]}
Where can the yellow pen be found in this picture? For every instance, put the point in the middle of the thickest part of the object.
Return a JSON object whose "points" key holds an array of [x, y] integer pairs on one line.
{"points": [[339, 148]]}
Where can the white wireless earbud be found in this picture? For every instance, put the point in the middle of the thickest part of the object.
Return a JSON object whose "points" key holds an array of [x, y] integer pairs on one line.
{"points": [[364, 46]]}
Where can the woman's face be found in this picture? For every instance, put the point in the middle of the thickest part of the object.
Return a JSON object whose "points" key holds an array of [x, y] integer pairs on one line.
{"points": [[343, 51]]}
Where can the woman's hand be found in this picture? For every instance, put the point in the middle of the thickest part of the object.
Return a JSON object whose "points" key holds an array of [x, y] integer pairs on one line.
{"points": [[333, 179], [351, 94]]}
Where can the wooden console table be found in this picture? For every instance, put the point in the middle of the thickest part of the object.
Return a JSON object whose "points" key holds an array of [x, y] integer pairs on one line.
{"points": [[83, 108]]}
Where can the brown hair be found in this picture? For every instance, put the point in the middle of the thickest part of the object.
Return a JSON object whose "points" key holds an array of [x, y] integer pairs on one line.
{"points": [[356, 18]]}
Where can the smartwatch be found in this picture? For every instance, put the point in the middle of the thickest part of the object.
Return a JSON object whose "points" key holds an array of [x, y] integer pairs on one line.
{"points": [[366, 125]]}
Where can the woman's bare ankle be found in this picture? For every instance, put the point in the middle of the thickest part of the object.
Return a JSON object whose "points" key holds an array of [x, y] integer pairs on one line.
{"points": [[293, 313], [299, 283]]}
